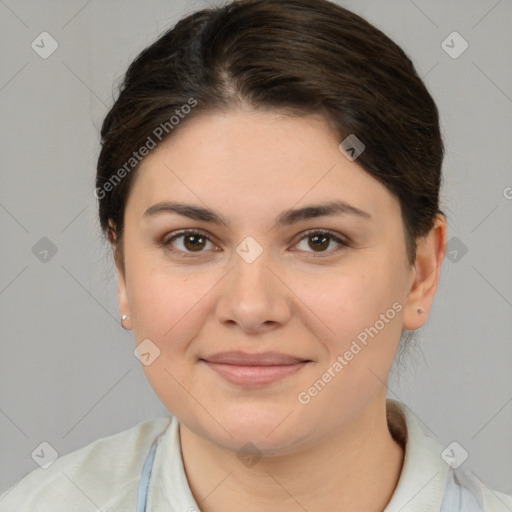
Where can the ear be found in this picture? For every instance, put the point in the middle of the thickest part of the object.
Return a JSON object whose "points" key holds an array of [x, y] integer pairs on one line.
{"points": [[425, 275], [122, 295]]}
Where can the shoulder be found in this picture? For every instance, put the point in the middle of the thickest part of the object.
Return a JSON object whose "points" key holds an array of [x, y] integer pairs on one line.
{"points": [[431, 477], [101, 475], [495, 501], [466, 492]]}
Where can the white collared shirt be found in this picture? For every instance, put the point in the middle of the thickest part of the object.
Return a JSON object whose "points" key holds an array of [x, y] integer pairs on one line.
{"points": [[104, 475]]}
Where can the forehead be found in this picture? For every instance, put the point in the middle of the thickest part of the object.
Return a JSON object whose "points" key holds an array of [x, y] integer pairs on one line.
{"points": [[250, 163]]}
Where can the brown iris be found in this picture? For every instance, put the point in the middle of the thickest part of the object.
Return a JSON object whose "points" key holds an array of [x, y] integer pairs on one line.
{"points": [[194, 242], [319, 242]]}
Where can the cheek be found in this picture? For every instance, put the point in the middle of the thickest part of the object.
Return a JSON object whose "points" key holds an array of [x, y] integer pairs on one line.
{"points": [[170, 310], [165, 305], [350, 302], [361, 314]]}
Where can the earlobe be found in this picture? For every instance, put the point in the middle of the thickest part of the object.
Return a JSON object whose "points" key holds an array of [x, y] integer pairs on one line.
{"points": [[122, 294], [124, 319], [425, 275], [122, 299]]}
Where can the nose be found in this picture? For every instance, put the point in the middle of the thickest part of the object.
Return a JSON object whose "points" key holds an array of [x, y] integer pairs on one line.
{"points": [[254, 296]]}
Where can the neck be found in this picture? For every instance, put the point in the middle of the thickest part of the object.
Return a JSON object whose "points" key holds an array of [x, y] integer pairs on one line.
{"points": [[355, 469]]}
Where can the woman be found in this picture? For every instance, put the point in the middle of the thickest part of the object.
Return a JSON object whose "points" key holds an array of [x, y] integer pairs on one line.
{"points": [[269, 181]]}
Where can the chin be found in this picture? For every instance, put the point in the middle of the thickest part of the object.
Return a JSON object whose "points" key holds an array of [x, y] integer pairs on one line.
{"points": [[269, 427]]}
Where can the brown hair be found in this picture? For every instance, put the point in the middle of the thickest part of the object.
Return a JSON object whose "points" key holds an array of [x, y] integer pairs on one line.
{"points": [[298, 57]]}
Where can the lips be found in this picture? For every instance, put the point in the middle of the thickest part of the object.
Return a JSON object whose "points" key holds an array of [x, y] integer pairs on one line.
{"points": [[243, 359], [254, 370]]}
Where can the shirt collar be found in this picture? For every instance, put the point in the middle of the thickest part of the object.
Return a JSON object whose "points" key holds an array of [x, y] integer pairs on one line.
{"points": [[422, 480], [169, 488]]}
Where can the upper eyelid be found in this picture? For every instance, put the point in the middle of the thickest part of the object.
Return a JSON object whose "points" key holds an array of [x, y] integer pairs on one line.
{"points": [[182, 232]]}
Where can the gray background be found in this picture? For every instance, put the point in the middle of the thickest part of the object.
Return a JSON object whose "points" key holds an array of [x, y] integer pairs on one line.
{"points": [[68, 375]]}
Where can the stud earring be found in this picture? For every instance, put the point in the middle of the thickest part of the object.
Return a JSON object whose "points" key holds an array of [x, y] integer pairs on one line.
{"points": [[123, 318], [420, 311]]}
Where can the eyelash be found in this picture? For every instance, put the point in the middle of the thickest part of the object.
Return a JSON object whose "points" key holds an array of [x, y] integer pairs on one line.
{"points": [[321, 254]]}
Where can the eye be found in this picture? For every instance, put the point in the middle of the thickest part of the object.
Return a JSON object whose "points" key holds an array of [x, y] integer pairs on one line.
{"points": [[189, 241], [193, 241], [319, 241]]}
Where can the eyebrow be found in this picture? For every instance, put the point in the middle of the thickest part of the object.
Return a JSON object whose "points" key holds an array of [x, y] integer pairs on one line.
{"points": [[286, 218]]}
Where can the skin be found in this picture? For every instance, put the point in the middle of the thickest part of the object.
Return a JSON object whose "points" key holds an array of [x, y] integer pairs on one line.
{"points": [[249, 167]]}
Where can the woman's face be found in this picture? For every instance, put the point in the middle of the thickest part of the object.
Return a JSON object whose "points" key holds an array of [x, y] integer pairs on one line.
{"points": [[279, 328]]}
